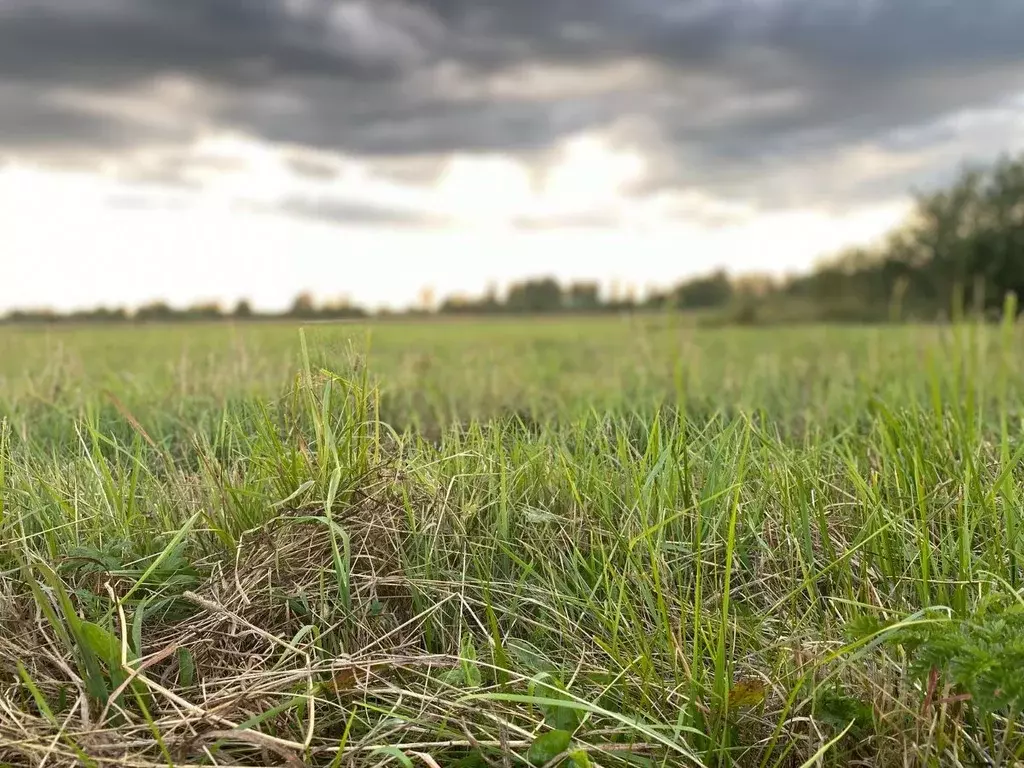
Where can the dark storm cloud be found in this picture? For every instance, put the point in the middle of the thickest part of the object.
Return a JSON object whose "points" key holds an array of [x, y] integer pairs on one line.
{"points": [[363, 122], [737, 96], [31, 117], [233, 41]]}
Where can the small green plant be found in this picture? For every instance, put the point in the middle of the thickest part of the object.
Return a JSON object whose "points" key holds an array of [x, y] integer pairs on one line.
{"points": [[980, 657], [838, 708], [102, 663], [550, 691], [975, 662]]}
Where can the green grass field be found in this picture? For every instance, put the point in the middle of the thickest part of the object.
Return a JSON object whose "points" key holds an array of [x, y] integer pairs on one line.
{"points": [[583, 543]]}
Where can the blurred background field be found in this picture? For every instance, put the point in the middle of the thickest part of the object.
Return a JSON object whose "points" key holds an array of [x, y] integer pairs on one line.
{"points": [[434, 373]]}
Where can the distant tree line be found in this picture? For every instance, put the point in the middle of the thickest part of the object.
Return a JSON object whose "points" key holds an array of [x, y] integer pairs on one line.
{"points": [[963, 245], [303, 307]]}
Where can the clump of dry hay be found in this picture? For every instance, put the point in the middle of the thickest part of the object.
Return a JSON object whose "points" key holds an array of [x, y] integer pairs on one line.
{"points": [[252, 640]]}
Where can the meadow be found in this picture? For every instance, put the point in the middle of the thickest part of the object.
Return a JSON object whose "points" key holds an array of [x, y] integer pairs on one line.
{"points": [[607, 542]]}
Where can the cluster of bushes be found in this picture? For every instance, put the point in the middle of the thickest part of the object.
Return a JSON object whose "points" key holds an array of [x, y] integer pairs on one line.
{"points": [[962, 244]]}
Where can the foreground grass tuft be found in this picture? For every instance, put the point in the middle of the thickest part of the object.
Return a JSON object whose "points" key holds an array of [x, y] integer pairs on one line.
{"points": [[820, 570]]}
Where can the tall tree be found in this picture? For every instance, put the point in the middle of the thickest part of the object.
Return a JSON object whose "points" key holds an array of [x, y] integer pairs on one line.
{"points": [[543, 295]]}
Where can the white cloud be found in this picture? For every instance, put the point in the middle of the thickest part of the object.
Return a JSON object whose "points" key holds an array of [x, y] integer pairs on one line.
{"points": [[69, 243]]}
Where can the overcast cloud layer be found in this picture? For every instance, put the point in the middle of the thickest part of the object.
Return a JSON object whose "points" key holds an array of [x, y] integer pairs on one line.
{"points": [[780, 102]]}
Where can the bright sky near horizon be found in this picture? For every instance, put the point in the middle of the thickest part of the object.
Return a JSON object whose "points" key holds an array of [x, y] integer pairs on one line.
{"points": [[220, 149]]}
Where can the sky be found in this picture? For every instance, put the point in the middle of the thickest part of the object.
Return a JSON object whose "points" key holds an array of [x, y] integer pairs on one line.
{"points": [[201, 150]]}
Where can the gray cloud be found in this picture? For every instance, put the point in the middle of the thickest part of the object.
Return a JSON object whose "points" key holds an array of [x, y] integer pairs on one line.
{"points": [[354, 212], [589, 220], [175, 168], [312, 168], [742, 98], [142, 202]]}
